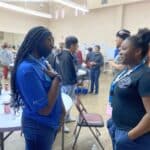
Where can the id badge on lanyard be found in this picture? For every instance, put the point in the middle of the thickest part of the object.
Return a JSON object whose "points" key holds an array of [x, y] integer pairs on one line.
{"points": [[121, 76]]}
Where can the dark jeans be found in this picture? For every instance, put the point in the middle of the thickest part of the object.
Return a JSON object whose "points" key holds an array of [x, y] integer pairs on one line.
{"points": [[37, 137], [95, 74], [121, 141]]}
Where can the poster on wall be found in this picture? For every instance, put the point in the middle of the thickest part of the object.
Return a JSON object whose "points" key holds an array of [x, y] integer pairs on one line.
{"points": [[107, 51]]}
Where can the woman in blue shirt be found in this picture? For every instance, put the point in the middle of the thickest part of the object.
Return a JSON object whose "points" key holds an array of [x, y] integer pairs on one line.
{"points": [[36, 87]]}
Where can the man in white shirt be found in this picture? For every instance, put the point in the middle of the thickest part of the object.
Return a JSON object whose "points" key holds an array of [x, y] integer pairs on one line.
{"points": [[6, 58]]}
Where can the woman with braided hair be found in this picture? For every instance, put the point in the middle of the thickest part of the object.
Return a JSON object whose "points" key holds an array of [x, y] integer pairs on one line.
{"points": [[37, 88]]}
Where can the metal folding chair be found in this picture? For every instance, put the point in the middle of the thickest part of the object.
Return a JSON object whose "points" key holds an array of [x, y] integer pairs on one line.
{"points": [[89, 120]]}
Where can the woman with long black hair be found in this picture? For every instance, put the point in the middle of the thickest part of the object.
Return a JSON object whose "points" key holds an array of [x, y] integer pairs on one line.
{"points": [[36, 88]]}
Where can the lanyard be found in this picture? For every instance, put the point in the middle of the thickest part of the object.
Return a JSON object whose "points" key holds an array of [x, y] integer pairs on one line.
{"points": [[126, 73], [121, 76]]}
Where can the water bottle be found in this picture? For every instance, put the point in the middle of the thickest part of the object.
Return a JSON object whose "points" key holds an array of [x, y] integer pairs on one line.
{"points": [[94, 147]]}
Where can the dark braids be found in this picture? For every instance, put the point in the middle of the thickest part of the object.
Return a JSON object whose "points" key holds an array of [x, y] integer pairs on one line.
{"points": [[30, 43]]}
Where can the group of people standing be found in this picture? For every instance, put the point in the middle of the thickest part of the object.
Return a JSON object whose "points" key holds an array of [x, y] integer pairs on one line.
{"points": [[37, 87]]}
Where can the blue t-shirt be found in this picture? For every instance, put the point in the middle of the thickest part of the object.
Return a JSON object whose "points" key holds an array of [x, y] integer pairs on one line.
{"points": [[33, 85]]}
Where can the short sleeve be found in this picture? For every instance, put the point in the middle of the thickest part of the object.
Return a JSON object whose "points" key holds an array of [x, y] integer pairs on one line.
{"points": [[144, 84], [32, 90]]}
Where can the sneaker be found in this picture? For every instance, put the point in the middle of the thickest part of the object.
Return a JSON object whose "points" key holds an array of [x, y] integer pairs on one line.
{"points": [[69, 120], [96, 93], [66, 129], [91, 92]]}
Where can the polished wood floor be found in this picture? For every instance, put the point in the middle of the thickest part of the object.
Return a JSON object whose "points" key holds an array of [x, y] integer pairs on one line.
{"points": [[94, 103]]}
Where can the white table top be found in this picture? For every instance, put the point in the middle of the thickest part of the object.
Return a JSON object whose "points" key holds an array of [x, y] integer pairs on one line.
{"points": [[81, 72], [67, 101], [8, 122], [5, 97], [11, 122]]}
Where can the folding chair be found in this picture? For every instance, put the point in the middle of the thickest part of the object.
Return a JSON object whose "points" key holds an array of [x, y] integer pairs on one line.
{"points": [[89, 120]]}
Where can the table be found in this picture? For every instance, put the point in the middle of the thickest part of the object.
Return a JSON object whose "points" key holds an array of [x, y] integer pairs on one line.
{"points": [[8, 122], [68, 103]]}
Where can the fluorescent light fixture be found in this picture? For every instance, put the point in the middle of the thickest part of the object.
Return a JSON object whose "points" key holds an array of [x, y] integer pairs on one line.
{"points": [[62, 13], [25, 1], [72, 5], [76, 12], [24, 10], [56, 14]]}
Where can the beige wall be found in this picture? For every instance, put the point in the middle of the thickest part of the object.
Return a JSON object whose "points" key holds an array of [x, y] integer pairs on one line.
{"points": [[137, 16], [18, 23], [100, 25], [93, 4], [12, 38]]}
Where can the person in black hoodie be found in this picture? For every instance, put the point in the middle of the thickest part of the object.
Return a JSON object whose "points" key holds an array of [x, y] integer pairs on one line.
{"points": [[65, 65], [96, 63], [65, 62]]}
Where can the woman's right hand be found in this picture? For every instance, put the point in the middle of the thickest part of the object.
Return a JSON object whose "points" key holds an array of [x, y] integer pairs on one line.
{"points": [[50, 73]]}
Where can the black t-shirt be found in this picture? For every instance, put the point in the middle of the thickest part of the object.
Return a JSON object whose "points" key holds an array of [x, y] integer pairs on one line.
{"points": [[128, 108]]}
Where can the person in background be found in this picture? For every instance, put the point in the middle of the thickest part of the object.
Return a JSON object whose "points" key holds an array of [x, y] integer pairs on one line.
{"points": [[55, 52], [14, 47], [120, 37], [6, 58], [89, 57], [61, 46], [79, 57], [35, 86], [96, 63], [129, 126], [51, 57], [66, 67], [14, 51]]}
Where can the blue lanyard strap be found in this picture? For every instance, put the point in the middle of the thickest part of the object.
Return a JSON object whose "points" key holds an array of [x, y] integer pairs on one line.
{"points": [[121, 76], [126, 73]]}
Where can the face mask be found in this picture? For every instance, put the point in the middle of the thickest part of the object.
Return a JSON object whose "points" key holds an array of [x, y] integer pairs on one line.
{"points": [[43, 50]]}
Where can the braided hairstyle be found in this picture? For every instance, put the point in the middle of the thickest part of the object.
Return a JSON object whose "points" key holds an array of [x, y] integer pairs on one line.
{"points": [[30, 43]]}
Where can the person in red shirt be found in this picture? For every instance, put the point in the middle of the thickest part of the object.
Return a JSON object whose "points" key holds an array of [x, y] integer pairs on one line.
{"points": [[79, 57]]}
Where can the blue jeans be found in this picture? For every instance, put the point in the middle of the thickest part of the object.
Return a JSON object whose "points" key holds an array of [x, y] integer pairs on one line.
{"points": [[95, 74], [121, 141], [69, 90], [37, 137]]}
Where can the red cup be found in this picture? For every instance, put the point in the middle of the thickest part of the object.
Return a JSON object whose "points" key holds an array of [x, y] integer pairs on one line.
{"points": [[7, 108]]}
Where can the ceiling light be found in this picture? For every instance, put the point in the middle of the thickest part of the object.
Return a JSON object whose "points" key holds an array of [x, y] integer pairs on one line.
{"points": [[24, 10], [72, 5]]}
